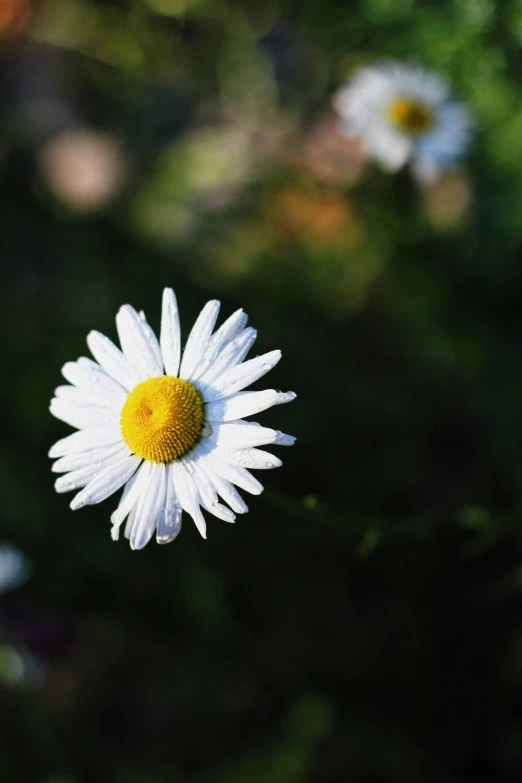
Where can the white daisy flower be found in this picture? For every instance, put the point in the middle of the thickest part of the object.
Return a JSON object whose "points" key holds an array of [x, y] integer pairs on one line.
{"points": [[404, 114], [167, 427]]}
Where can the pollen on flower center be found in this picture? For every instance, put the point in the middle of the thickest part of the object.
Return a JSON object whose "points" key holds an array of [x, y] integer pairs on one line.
{"points": [[410, 116], [161, 418]]}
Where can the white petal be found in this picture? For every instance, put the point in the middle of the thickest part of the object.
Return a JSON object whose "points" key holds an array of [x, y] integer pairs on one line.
{"points": [[86, 458], [81, 477], [391, 149], [81, 399], [149, 507], [235, 474], [233, 353], [246, 404], [220, 511], [84, 361], [198, 338], [207, 492], [204, 486], [226, 332], [169, 522], [83, 417], [139, 343], [112, 360], [241, 434], [90, 377], [229, 329], [249, 458], [132, 491], [84, 440], [341, 100], [247, 434], [76, 478], [188, 495], [283, 439], [130, 522], [170, 336], [224, 488], [243, 375], [108, 481]]}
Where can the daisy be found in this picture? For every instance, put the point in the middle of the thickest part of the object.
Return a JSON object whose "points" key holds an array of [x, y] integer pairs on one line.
{"points": [[167, 427], [401, 114]]}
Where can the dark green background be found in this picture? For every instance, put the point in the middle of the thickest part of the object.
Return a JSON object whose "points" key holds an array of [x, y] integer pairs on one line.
{"points": [[363, 622]]}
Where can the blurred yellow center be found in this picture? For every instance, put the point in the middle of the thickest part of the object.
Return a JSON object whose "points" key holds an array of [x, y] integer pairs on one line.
{"points": [[161, 418], [410, 116]]}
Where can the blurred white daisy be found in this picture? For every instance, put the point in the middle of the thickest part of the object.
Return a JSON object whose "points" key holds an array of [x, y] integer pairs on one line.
{"points": [[404, 114], [168, 427], [14, 567]]}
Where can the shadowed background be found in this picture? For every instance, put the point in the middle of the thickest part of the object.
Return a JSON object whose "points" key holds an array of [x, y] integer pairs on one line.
{"points": [[363, 622]]}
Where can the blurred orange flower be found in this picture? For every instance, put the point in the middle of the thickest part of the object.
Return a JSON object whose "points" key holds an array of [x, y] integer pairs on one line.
{"points": [[327, 155], [82, 168], [323, 218], [14, 15]]}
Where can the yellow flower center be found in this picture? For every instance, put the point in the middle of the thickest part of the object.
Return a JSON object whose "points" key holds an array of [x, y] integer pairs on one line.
{"points": [[410, 116], [161, 418]]}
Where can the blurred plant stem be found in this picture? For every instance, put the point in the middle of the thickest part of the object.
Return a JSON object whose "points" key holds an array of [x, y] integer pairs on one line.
{"points": [[371, 530]]}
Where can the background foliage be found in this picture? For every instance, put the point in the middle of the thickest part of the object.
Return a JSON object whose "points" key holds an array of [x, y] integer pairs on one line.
{"points": [[363, 622]]}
